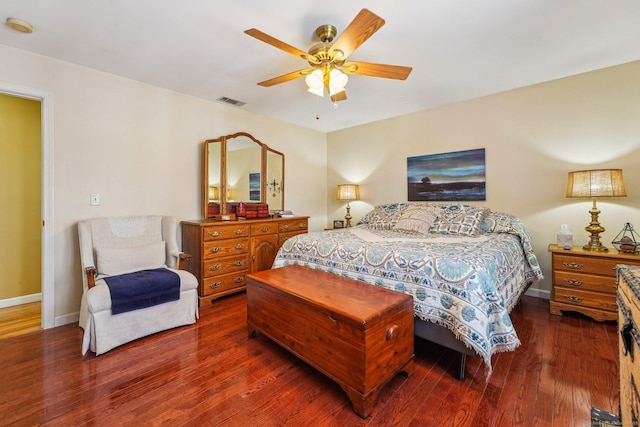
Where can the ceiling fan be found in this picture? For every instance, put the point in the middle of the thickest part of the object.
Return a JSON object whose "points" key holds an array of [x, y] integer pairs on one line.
{"points": [[328, 59]]}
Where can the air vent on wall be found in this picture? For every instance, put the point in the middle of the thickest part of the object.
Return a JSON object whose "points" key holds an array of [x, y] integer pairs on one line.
{"points": [[231, 101]]}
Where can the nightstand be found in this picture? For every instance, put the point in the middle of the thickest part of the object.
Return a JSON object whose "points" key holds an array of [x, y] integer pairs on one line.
{"points": [[585, 281]]}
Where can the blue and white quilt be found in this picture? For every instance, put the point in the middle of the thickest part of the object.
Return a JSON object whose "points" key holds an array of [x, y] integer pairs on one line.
{"points": [[468, 284]]}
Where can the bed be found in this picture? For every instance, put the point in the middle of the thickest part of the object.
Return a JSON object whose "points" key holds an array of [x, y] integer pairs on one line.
{"points": [[465, 266]]}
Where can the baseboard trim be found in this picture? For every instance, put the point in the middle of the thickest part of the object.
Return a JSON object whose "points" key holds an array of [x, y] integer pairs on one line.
{"points": [[24, 299], [538, 293], [67, 319]]}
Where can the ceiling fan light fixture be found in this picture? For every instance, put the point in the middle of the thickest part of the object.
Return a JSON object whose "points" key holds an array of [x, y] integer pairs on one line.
{"points": [[315, 82], [337, 81]]}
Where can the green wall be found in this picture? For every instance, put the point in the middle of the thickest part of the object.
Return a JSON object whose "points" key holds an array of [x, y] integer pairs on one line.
{"points": [[20, 187]]}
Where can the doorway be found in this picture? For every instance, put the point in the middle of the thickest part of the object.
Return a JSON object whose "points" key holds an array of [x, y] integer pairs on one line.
{"points": [[46, 190]]}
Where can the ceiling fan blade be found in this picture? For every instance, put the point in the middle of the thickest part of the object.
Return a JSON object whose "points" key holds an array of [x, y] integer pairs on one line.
{"points": [[363, 26], [285, 78], [397, 72], [253, 32], [340, 96]]}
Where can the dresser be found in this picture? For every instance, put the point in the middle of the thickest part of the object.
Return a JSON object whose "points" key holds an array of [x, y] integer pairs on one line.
{"points": [[224, 252], [585, 282]]}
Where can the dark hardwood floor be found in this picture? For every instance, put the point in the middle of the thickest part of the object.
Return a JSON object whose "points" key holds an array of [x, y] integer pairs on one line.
{"points": [[212, 373]]}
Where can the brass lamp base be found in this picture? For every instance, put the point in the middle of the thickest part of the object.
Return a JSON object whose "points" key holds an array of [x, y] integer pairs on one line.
{"points": [[595, 229], [348, 217]]}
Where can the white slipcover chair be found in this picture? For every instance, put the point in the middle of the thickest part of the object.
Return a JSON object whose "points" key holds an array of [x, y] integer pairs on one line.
{"points": [[118, 245]]}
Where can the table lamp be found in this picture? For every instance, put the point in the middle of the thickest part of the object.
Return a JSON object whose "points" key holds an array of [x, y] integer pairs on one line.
{"points": [[595, 183], [348, 192]]}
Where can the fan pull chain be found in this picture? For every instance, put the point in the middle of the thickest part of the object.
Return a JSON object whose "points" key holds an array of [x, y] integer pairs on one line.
{"points": [[317, 114]]}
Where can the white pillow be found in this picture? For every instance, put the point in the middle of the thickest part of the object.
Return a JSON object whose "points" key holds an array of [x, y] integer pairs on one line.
{"points": [[114, 261], [417, 219]]}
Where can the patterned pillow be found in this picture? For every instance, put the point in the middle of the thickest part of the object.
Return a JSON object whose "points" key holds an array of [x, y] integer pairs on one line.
{"points": [[383, 217], [456, 218], [416, 218]]}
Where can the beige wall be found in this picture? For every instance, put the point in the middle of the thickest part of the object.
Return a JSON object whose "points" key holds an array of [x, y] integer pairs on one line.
{"points": [[140, 146], [533, 136], [19, 197]]}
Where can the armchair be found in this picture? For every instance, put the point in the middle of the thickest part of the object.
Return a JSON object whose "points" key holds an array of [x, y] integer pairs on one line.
{"points": [[114, 246]]}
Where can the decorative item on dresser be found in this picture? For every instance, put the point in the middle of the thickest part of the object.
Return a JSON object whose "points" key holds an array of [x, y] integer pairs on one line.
{"points": [[585, 281], [223, 253], [629, 344]]}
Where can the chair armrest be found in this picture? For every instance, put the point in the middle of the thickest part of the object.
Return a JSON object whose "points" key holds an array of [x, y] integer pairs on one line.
{"points": [[91, 276], [182, 258]]}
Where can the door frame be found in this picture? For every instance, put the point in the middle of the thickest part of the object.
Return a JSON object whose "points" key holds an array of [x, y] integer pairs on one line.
{"points": [[46, 139]]}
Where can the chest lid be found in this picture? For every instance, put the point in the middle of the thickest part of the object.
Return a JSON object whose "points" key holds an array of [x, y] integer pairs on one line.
{"points": [[348, 300]]}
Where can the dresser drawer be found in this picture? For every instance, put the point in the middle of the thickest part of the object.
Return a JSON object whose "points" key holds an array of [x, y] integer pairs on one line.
{"points": [[585, 298], [591, 265], [220, 232], [585, 282], [224, 283], [264, 228], [215, 266], [296, 226], [220, 248]]}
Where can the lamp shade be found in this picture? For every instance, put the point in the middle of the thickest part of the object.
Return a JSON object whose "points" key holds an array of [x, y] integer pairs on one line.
{"points": [[596, 183], [348, 192]]}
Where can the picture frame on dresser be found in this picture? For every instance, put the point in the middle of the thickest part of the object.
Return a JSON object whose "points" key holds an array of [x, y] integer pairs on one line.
{"points": [[338, 224]]}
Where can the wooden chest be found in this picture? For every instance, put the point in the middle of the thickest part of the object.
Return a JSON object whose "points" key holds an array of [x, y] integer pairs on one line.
{"points": [[629, 345], [357, 334]]}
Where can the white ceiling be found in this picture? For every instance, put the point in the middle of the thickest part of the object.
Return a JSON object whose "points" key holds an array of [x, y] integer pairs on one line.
{"points": [[459, 49]]}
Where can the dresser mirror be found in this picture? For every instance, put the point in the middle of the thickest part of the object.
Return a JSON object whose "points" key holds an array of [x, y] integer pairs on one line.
{"points": [[240, 168]]}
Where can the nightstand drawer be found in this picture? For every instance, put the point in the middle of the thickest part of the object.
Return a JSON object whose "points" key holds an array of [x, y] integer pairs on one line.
{"points": [[585, 282], [588, 265], [585, 298]]}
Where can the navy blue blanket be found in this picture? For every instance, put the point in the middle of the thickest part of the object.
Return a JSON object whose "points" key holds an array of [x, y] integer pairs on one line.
{"points": [[142, 289]]}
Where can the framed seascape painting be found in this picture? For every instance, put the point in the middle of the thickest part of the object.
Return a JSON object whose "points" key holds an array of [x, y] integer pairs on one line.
{"points": [[455, 176]]}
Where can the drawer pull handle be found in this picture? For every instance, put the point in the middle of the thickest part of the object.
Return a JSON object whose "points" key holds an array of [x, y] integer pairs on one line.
{"points": [[573, 282], [215, 233], [285, 227], [215, 267], [239, 232], [302, 225], [573, 265], [239, 279], [333, 319], [239, 263], [214, 250], [573, 299], [215, 285], [239, 246], [264, 229]]}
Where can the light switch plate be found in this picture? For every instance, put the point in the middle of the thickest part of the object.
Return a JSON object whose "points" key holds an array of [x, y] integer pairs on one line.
{"points": [[95, 199]]}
